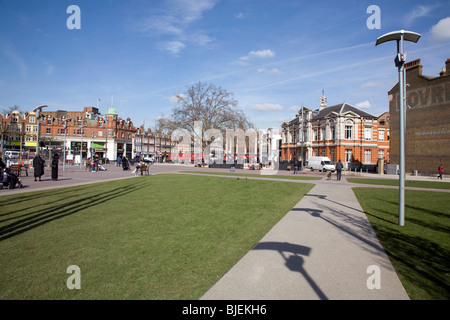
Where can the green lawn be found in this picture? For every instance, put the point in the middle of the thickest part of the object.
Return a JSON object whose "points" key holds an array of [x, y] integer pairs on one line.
{"points": [[255, 175], [408, 183], [154, 237], [420, 250]]}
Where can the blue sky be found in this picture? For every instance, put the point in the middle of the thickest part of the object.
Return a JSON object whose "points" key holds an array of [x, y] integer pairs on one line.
{"points": [[273, 55]]}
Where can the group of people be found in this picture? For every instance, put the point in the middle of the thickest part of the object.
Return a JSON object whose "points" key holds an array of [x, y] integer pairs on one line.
{"points": [[94, 165], [39, 164]]}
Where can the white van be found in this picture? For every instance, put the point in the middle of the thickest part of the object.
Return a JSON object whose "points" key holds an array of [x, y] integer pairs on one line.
{"points": [[12, 154], [321, 164]]}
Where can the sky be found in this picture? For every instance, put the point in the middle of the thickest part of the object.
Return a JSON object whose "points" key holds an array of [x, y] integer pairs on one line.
{"points": [[273, 55]]}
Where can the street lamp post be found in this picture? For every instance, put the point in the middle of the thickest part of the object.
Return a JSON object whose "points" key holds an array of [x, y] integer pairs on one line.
{"points": [[65, 133], [400, 37], [38, 110], [81, 147]]}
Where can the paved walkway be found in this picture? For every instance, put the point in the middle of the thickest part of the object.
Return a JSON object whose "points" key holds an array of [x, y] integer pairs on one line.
{"points": [[321, 249], [324, 248]]}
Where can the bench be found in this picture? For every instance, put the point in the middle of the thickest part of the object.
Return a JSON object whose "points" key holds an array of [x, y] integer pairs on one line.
{"points": [[144, 168], [18, 169]]}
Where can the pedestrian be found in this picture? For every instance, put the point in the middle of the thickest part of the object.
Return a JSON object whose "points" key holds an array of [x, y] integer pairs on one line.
{"points": [[119, 161], [296, 167], [38, 165], [339, 167], [54, 165], [441, 172]]}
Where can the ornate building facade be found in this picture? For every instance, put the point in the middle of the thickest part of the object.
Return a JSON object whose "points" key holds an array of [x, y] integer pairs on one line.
{"points": [[338, 132]]}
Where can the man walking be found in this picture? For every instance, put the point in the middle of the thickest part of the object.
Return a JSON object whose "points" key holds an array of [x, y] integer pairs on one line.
{"points": [[441, 172], [339, 167]]}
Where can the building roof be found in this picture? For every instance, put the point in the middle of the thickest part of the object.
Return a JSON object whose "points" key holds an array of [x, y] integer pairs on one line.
{"points": [[340, 109]]}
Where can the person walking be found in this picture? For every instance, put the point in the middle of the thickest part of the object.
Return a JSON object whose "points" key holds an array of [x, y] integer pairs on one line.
{"points": [[339, 167], [54, 165], [441, 172], [38, 165]]}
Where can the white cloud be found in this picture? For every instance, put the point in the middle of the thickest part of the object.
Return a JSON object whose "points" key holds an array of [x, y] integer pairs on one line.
{"points": [[364, 105], [416, 13], [271, 71], [265, 107], [239, 15], [262, 53], [174, 47], [441, 30], [176, 21], [294, 108], [373, 84]]}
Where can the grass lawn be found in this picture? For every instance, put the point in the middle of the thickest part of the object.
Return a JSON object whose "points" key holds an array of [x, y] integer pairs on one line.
{"points": [[155, 237], [420, 250], [408, 183], [255, 175]]}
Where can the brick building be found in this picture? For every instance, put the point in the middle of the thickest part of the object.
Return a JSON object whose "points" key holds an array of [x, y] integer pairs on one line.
{"points": [[18, 131], [427, 120], [341, 131]]}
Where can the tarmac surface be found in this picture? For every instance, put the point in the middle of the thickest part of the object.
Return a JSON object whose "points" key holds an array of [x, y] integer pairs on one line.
{"points": [[324, 248]]}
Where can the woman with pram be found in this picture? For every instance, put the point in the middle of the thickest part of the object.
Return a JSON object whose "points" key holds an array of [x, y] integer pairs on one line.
{"points": [[125, 164]]}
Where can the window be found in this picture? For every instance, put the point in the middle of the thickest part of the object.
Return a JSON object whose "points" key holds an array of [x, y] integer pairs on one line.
{"points": [[367, 133], [381, 135], [28, 128], [322, 134], [348, 155], [332, 156], [48, 131], [33, 119], [333, 133], [367, 156], [316, 134], [323, 152], [348, 132], [380, 154]]}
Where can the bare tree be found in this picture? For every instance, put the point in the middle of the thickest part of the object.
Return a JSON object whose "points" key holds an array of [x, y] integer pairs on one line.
{"points": [[9, 110], [214, 106]]}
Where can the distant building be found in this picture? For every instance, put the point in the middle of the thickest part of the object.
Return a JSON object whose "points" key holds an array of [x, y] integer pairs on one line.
{"points": [[427, 120], [338, 132]]}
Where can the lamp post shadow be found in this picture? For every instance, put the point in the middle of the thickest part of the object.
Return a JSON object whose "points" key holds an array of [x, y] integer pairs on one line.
{"points": [[294, 261]]}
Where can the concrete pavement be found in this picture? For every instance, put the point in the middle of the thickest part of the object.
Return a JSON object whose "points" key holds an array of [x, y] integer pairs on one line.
{"points": [[324, 248]]}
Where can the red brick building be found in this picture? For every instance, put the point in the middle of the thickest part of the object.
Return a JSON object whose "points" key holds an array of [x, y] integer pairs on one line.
{"points": [[427, 120], [341, 131]]}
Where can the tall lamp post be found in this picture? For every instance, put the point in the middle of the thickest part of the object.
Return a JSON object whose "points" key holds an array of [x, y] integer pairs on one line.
{"points": [[400, 37], [38, 110], [81, 147], [64, 121]]}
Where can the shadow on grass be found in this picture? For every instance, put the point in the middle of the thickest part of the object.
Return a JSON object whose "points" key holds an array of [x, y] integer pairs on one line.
{"points": [[54, 211], [423, 263]]}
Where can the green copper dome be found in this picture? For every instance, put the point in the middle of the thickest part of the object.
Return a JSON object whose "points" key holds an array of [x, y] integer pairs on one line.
{"points": [[112, 111]]}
